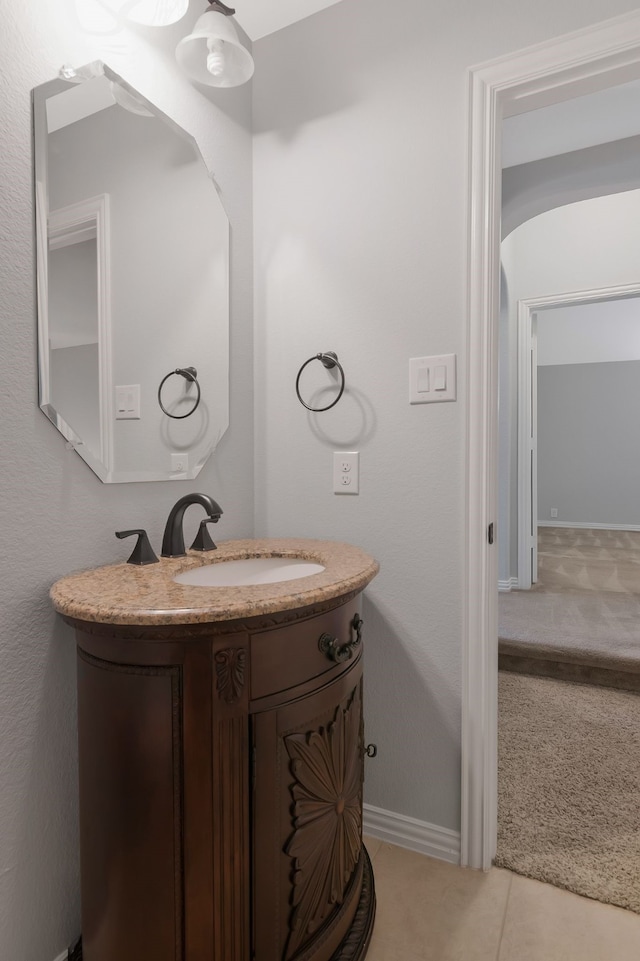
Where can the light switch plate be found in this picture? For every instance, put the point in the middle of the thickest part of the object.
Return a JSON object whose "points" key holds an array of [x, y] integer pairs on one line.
{"points": [[432, 379], [128, 402]]}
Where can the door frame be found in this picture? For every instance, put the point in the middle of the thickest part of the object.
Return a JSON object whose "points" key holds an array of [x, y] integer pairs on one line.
{"points": [[85, 220], [527, 442], [594, 58], [527, 308]]}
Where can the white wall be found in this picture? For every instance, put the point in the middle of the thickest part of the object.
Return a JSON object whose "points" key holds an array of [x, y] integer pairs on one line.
{"points": [[361, 124], [588, 402], [72, 277], [55, 515], [588, 451], [73, 378], [603, 332], [583, 246], [361, 150], [571, 125], [530, 189]]}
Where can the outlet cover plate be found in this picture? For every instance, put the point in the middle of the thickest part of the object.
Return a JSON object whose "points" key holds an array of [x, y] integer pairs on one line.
{"points": [[346, 472]]}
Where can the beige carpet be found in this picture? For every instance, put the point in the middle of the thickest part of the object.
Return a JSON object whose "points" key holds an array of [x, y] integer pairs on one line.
{"points": [[569, 786], [578, 635], [581, 622], [585, 559]]}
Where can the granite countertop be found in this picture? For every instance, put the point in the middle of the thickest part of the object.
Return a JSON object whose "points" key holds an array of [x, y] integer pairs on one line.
{"points": [[128, 594]]}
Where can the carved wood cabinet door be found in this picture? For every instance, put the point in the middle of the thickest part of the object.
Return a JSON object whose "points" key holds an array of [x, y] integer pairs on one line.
{"points": [[307, 822]]}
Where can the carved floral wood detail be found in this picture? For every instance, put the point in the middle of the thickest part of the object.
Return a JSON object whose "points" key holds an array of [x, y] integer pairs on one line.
{"points": [[230, 670], [327, 816]]}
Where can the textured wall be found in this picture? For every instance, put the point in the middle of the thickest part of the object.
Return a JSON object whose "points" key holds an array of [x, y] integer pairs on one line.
{"points": [[361, 124], [55, 515], [361, 240]]}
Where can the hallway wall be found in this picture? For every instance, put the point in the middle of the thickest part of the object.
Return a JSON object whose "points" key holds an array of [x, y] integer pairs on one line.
{"points": [[588, 454]]}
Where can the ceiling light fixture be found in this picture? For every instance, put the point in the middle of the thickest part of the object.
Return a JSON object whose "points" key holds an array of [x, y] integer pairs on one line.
{"points": [[212, 54]]}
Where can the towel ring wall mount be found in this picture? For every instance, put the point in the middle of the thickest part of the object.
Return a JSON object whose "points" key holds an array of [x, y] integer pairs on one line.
{"points": [[328, 359], [190, 374]]}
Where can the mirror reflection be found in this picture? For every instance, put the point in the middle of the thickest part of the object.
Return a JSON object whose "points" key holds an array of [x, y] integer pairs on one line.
{"points": [[132, 273]]}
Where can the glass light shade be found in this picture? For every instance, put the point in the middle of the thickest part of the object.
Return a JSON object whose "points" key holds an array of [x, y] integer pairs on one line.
{"points": [[151, 13], [213, 54]]}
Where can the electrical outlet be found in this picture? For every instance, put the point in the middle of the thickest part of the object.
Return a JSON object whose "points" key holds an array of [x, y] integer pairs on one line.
{"points": [[554, 511], [346, 472], [179, 463]]}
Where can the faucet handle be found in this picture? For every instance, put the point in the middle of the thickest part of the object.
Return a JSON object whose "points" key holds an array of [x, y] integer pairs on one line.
{"points": [[203, 540], [143, 552]]}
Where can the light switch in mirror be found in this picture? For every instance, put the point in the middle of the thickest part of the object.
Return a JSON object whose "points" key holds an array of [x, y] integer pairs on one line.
{"points": [[133, 279]]}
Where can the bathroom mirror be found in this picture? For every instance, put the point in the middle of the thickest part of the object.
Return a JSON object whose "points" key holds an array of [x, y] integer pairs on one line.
{"points": [[132, 280]]}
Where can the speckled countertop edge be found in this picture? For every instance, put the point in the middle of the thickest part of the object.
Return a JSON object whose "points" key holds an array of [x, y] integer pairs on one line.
{"points": [[128, 594]]}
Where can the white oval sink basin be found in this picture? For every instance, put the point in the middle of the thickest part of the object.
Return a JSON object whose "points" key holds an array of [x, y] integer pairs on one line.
{"points": [[249, 570]]}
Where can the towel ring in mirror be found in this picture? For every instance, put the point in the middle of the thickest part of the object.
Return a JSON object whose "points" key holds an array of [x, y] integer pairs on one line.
{"points": [[329, 360], [190, 374]]}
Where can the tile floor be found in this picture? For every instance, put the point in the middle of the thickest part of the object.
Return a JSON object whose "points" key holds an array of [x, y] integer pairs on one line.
{"points": [[429, 910]]}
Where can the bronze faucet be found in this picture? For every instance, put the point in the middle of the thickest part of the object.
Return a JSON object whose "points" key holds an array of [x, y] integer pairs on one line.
{"points": [[173, 540]]}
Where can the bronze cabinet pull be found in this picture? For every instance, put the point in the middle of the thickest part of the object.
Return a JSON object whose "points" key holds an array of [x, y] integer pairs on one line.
{"points": [[338, 652]]}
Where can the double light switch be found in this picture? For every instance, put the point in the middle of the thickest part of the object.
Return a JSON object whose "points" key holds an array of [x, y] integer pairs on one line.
{"points": [[432, 379], [128, 402]]}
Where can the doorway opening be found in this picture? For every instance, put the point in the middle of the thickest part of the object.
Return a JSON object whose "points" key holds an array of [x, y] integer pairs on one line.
{"points": [[602, 56], [580, 338]]}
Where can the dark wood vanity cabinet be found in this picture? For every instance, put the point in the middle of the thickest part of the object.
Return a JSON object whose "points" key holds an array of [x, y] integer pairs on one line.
{"points": [[221, 770]]}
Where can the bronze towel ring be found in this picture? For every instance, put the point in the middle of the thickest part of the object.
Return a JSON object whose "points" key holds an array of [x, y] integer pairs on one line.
{"points": [[190, 374], [329, 360]]}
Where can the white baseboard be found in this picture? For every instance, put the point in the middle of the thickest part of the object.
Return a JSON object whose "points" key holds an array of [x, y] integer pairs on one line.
{"points": [[62, 957], [406, 832], [508, 585], [588, 526]]}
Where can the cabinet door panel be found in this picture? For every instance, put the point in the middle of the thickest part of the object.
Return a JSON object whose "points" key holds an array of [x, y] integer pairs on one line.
{"points": [[308, 822], [130, 811]]}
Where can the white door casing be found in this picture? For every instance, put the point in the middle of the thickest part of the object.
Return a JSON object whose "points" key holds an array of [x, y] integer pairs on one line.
{"points": [[527, 447], [597, 57], [68, 225]]}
